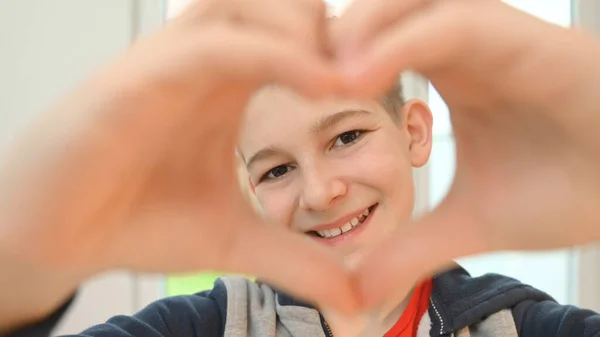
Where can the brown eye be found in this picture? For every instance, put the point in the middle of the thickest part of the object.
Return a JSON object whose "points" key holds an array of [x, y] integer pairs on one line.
{"points": [[279, 171], [276, 172], [348, 138]]}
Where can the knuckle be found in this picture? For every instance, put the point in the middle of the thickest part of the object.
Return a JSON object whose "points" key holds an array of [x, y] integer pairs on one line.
{"points": [[203, 11]]}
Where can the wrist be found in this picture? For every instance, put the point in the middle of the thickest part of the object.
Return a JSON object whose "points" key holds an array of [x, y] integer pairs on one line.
{"points": [[31, 293]]}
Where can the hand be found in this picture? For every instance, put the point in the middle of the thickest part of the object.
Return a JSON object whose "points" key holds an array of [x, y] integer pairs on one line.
{"points": [[136, 168], [524, 107]]}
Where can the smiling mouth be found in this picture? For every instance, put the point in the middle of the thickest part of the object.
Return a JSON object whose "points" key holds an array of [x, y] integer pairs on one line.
{"points": [[348, 227]]}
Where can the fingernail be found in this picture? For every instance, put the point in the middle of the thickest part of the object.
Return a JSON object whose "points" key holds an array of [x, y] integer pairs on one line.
{"points": [[352, 261]]}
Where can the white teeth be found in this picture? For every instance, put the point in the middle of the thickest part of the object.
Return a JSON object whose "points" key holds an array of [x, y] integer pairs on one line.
{"points": [[335, 231], [330, 233]]}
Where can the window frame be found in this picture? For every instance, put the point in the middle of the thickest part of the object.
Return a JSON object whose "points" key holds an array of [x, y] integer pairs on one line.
{"points": [[586, 15]]}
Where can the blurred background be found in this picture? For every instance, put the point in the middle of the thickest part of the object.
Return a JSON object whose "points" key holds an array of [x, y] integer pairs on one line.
{"points": [[48, 46]]}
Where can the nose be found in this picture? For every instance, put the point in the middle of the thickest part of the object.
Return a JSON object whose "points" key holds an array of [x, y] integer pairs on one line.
{"points": [[320, 190]]}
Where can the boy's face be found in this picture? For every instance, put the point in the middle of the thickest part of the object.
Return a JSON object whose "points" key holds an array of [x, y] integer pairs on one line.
{"points": [[339, 171]]}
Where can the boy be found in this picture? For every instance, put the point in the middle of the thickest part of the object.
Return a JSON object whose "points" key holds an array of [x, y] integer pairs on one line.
{"points": [[319, 178], [340, 171]]}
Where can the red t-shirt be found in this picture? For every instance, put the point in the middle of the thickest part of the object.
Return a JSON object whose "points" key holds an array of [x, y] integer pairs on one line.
{"points": [[409, 320]]}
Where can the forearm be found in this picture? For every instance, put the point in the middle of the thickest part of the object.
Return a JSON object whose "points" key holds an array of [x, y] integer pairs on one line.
{"points": [[75, 137]]}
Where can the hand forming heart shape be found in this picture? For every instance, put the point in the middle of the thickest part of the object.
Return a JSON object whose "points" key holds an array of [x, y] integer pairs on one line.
{"points": [[135, 168]]}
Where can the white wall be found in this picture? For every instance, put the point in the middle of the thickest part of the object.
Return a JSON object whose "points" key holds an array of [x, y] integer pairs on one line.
{"points": [[46, 48]]}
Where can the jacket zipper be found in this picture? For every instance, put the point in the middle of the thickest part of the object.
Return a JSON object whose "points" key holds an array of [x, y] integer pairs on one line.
{"points": [[329, 333], [439, 317]]}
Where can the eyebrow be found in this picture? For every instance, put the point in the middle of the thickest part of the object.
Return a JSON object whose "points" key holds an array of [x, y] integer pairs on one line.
{"points": [[331, 120], [264, 153], [319, 127]]}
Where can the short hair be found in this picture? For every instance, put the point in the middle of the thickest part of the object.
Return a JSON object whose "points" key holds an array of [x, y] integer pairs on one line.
{"points": [[393, 101]]}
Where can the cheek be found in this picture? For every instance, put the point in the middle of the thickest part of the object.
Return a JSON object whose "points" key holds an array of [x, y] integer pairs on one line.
{"points": [[277, 206], [389, 171]]}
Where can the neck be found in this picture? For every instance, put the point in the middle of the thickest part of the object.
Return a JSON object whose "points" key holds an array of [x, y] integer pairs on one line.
{"points": [[390, 313]]}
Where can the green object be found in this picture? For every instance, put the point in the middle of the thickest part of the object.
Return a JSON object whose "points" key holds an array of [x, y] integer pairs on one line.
{"points": [[189, 284]]}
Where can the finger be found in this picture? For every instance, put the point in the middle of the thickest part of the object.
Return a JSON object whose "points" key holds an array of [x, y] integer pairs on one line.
{"points": [[189, 237], [301, 20], [417, 251], [295, 264], [431, 39], [443, 35], [364, 19], [248, 54]]}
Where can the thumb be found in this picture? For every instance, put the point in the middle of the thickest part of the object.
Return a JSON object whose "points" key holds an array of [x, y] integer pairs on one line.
{"points": [[416, 251], [294, 263], [235, 240]]}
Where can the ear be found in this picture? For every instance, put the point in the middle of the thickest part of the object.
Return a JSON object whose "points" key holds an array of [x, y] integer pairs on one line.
{"points": [[418, 121]]}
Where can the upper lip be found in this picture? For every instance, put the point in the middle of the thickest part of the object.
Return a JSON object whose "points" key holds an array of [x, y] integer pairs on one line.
{"points": [[339, 222]]}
